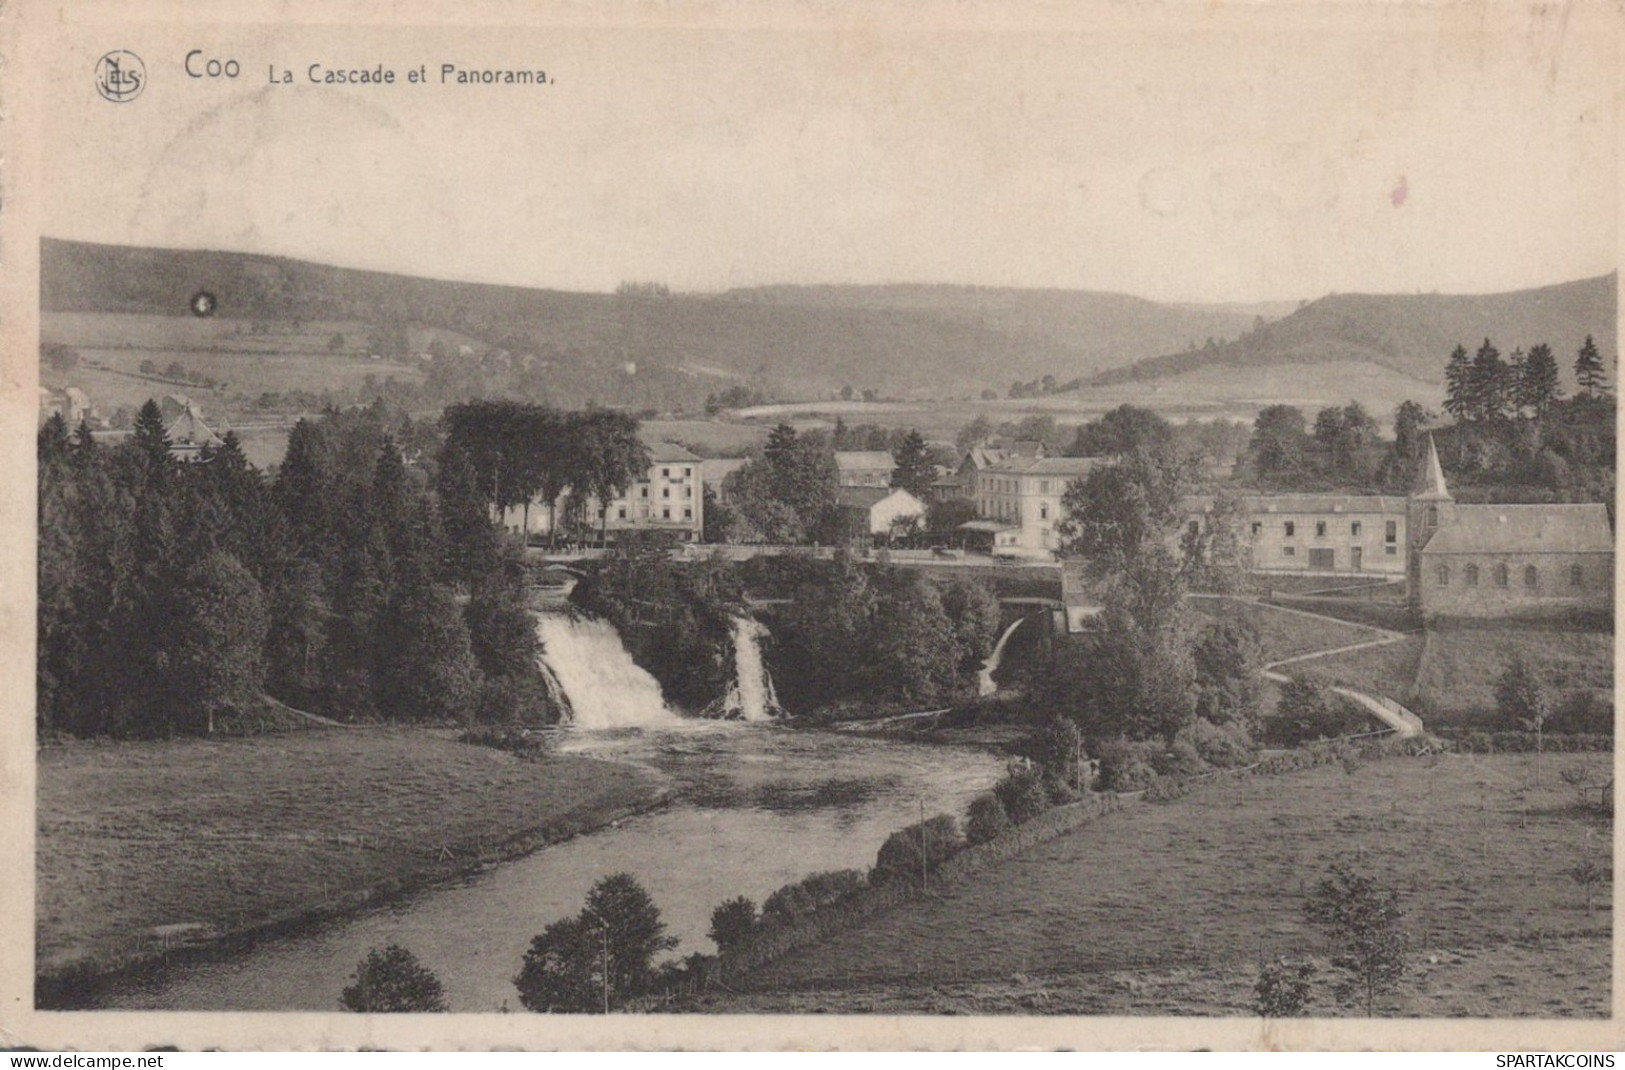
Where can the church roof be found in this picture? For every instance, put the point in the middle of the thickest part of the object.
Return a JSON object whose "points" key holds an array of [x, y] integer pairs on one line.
{"points": [[1430, 485], [1524, 529]]}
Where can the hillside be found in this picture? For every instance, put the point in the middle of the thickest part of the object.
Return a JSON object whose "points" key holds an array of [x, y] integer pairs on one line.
{"points": [[1412, 334], [935, 340]]}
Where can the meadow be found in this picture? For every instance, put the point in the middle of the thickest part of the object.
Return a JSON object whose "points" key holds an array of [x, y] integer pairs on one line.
{"points": [[148, 843], [1166, 908], [1462, 660]]}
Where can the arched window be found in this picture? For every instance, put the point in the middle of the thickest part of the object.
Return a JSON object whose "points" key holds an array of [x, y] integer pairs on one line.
{"points": [[1576, 575], [1443, 575], [1502, 576], [1472, 575], [1433, 516], [1531, 576]]}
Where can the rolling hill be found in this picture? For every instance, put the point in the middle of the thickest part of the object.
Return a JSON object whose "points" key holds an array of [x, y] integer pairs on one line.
{"points": [[1411, 334]]}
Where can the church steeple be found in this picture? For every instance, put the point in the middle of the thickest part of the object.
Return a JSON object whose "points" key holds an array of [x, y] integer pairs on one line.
{"points": [[1430, 485]]}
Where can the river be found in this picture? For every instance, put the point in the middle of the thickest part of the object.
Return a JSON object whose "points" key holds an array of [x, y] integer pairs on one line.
{"points": [[756, 806]]}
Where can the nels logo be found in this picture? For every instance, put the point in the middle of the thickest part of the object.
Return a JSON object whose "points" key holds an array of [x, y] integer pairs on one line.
{"points": [[120, 76]]}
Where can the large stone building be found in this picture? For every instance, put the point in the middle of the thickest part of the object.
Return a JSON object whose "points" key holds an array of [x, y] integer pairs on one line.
{"points": [[1506, 560], [1326, 533], [668, 498], [864, 468], [1024, 493]]}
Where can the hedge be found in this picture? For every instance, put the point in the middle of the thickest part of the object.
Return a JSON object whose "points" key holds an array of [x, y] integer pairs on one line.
{"points": [[770, 944]]}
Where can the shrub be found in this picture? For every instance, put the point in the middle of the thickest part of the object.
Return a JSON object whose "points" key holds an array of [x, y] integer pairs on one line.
{"points": [[1282, 990], [1589, 712], [986, 819], [795, 901], [510, 738], [1225, 746], [732, 923], [921, 846], [1309, 711], [1022, 795], [1166, 789], [1059, 750], [1179, 760], [392, 980], [1126, 766]]}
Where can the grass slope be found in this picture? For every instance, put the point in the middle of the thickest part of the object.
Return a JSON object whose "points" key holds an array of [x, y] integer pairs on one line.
{"points": [[223, 835], [1200, 887], [1463, 659]]}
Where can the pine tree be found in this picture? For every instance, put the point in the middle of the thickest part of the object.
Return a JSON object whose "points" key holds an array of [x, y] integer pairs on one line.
{"points": [[1538, 384], [1458, 385], [151, 438], [914, 472], [1589, 371], [1488, 384]]}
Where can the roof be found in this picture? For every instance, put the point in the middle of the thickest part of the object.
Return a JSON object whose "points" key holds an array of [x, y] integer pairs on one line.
{"points": [[189, 428], [1323, 503], [869, 497], [986, 525], [716, 469], [1524, 529], [865, 459], [1050, 466], [1430, 484], [669, 451]]}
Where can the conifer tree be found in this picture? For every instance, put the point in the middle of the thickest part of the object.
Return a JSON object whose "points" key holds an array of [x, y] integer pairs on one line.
{"points": [[1458, 385], [914, 472], [1589, 371]]}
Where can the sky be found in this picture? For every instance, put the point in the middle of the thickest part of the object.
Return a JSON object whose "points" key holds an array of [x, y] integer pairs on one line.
{"points": [[1194, 153]]}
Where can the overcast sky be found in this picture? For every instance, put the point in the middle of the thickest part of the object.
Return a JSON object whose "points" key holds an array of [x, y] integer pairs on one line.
{"points": [[1208, 153]]}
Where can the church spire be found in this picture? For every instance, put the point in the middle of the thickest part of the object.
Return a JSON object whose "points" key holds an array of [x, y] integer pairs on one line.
{"points": [[1430, 484]]}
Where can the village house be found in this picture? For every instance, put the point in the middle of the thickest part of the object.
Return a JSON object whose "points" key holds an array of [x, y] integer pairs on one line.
{"points": [[875, 511], [864, 468], [187, 431]]}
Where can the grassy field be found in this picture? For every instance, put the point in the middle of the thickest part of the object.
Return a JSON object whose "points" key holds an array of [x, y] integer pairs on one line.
{"points": [[1388, 670], [1164, 908], [217, 836], [1285, 634], [1463, 659]]}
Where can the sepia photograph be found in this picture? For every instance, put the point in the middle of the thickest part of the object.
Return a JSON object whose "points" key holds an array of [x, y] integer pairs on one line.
{"points": [[812, 524]]}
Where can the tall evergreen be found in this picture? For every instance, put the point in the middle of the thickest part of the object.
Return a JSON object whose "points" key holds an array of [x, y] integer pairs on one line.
{"points": [[1458, 385], [1488, 384], [914, 472], [1589, 370], [1538, 386]]}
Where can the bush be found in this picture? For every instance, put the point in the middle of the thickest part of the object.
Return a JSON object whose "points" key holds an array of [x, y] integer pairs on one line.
{"points": [[510, 738], [1309, 711], [732, 923], [392, 980], [986, 819], [1583, 712], [1282, 990], [1022, 795], [1225, 746], [1179, 760], [921, 846], [1059, 750], [795, 901], [1126, 766]]}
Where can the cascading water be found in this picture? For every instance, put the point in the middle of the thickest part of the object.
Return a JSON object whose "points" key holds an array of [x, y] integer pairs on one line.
{"points": [[601, 685], [751, 697], [984, 683]]}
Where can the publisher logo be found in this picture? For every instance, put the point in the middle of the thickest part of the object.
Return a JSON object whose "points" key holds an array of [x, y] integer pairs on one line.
{"points": [[120, 76]]}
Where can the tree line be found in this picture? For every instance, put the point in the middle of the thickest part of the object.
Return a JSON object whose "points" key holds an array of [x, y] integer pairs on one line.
{"points": [[363, 580]]}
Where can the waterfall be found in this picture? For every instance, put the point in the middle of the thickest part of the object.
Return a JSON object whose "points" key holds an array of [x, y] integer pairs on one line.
{"points": [[602, 687], [984, 683], [751, 697]]}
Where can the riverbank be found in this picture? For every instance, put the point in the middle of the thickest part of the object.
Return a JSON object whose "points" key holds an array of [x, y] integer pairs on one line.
{"points": [[151, 849]]}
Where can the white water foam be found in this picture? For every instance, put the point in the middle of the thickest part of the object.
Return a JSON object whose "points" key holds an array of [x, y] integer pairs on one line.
{"points": [[603, 687]]}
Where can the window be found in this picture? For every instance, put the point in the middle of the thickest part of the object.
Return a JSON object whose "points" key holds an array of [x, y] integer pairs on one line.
{"points": [[1531, 576], [1576, 575], [688, 514], [1390, 532], [687, 471], [643, 491], [665, 492], [1472, 575], [1195, 528], [1320, 529], [665, 473], [688, 492], [1502, 576], [1391, 551], [1289, 551], [665, 514], [1442, 576], [1258, 528], [1291, 529], [1433, 516], [620, 514], [1043, 510], [1354, 528]]}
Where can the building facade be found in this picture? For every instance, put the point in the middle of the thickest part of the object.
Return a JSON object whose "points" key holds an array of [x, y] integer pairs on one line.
{"points": [[864, 468], [1025, 494], [668, 498], [1329, 533]]}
